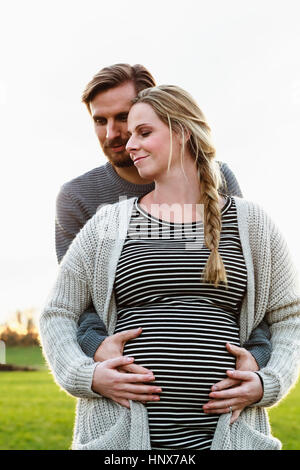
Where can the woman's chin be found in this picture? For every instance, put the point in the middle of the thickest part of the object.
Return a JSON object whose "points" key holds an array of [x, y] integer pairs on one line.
{"points": [[146, 175]]}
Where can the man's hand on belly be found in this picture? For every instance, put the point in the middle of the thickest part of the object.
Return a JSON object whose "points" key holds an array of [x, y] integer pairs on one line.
{"points": [[121, 387], [113, 346], [244, 362]]}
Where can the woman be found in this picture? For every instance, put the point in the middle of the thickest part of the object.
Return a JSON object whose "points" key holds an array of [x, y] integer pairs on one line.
{"points": [[192, 280]]}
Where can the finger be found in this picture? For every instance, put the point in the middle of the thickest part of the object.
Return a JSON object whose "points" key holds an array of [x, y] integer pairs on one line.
{"points": [[240, 375], [122, 402], [125, 336], [228, 393], [226, 383], [136, 369], [132, 378], [139, 389], [234, 416], [217, 411], [235, 350], [140, 397], [221, 406], [118, 362]]}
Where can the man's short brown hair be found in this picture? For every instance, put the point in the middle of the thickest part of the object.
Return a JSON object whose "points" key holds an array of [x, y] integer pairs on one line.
{"points": [[115, 75]]}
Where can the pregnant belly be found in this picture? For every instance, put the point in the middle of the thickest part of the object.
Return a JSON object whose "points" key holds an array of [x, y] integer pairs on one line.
{"points": [[187, 354]]}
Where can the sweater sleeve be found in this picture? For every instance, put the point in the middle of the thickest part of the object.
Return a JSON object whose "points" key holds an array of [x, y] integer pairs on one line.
{"points": [[91, 331], [259, 344], [72, 369], [69, 220], [283, 317], [230, 183]]}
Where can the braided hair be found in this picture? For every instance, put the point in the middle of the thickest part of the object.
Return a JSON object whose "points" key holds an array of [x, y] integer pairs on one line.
{"points": [[177, 109]]}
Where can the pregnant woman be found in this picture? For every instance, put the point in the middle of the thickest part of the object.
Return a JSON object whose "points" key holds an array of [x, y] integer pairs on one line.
{"points": [[185, 323], [193, 279]]}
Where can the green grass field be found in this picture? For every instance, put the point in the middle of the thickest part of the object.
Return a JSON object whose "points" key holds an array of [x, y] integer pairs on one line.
{"points": [[36, 414]]}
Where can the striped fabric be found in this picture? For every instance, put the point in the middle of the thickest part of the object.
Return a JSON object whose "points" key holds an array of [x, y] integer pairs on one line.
{"points": [[185, 323]]}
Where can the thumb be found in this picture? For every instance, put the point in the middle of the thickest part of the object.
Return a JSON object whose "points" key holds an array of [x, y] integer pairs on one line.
{"points": [[129, 334], [234, 350], [235, 415]]}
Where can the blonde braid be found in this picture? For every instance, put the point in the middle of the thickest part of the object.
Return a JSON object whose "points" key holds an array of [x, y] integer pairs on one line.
{"points": [[214, 271]]}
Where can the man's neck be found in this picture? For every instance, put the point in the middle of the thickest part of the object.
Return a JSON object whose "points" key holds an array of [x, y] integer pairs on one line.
{"points": [[130, 174]]}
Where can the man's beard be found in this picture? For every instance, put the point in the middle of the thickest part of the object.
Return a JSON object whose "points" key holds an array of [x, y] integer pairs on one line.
{"points": [[118, 159]]}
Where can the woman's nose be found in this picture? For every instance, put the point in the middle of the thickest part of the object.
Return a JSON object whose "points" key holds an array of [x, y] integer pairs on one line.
{"points": [[131, 144]]}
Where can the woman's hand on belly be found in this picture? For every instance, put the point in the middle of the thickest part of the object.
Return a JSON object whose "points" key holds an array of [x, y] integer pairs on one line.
{"points": [[121, 387], [236, 399], [244, 362]]}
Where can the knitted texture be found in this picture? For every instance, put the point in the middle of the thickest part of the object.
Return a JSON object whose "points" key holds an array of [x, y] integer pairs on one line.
{"points": [[88, 271], [91, 332], [258, 344]]}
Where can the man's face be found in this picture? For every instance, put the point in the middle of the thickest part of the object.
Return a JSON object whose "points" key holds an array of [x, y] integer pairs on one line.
{"points": [[109, 110]]}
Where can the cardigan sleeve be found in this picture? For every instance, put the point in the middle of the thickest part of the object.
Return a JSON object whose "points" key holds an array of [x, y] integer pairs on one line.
{"points": [[72, 369], [283, 316]]}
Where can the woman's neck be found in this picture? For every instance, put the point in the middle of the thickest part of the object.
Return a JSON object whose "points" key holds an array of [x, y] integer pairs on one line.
{"points": [[176, 196], [177, 187]]}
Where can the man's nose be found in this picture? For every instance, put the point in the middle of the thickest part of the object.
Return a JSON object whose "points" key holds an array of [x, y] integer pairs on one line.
{"points": [[112, 131]]}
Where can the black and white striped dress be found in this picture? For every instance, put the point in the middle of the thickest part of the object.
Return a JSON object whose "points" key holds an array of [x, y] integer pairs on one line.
{"points": [[186, 323]]}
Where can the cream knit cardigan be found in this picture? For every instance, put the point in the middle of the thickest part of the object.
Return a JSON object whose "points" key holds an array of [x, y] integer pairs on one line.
{"points": [[87, 273]]}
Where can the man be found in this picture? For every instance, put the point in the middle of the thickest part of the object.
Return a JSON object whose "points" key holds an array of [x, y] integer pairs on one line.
{"points": [[108, 99]]}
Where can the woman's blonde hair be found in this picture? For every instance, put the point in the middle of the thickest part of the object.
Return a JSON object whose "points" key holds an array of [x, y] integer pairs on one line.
{"points": [[176, 108]]}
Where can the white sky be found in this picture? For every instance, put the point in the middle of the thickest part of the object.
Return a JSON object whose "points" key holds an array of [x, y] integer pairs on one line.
{"points": [[239, 59]]}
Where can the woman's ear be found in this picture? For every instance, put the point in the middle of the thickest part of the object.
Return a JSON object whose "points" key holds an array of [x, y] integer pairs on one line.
{"points": [[186, 134]]}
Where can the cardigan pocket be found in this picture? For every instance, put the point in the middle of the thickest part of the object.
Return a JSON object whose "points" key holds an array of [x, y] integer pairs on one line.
{"points": [[251, 431], [244, 434], [101, 424]]}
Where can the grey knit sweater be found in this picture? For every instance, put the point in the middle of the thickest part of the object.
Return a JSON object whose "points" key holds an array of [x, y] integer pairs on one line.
{"points": [[88, 271], [79, 200]]}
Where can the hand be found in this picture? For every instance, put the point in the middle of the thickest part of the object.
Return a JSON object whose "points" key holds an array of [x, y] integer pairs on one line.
{"points": [[248, 392], [120, 387], [244, 361], [113, 346]]}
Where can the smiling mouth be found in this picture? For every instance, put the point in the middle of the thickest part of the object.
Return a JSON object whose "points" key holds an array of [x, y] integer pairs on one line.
{"points": [[139, 158]]}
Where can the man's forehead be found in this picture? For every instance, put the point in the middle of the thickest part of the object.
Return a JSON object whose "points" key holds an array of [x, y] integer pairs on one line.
{"points": [[113, 101]]}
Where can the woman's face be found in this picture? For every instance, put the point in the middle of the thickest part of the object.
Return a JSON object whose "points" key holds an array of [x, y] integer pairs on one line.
{"points": [[149, 142]]}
